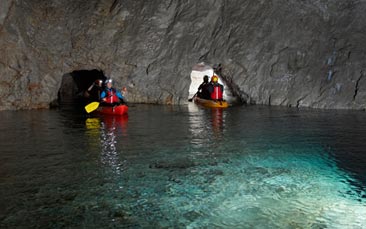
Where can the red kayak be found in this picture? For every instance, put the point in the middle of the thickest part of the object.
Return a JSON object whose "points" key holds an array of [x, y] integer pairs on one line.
{"points": [[116, 110]]}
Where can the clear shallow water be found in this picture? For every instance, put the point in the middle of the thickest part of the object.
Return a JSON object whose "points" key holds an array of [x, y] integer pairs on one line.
{"points": [[184, 167]]}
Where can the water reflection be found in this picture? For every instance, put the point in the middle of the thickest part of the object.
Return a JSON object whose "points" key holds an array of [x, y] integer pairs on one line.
{"points": [[217, 121], [108, 130], [233, 168], [206, 124]]}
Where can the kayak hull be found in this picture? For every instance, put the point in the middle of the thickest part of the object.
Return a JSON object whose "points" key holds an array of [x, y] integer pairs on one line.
{"points": [[116, 110], [211, 103]]}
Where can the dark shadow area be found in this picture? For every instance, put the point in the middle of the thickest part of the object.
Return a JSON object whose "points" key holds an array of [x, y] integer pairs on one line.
{"points": [[84, 78], [349, 154], [74, 87]]}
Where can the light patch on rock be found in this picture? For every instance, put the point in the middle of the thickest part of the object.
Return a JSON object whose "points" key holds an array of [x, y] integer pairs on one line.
{"points": [[197, 74]]}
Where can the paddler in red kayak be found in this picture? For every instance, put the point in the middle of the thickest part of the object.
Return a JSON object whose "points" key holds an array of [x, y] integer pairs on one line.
{"points": [[93, 92], [110, 96]]}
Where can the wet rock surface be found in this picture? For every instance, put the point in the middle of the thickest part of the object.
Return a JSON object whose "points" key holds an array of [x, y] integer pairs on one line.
{"points": [[305, 54]]}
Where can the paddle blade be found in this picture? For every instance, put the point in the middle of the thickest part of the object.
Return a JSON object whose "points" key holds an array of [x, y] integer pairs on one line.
{"points": [[91, 107]]}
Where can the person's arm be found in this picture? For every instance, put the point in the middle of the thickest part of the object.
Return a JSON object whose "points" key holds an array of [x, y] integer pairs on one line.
{"points": [[102, 95], [119, 95], [91, 87], [200, 87]]}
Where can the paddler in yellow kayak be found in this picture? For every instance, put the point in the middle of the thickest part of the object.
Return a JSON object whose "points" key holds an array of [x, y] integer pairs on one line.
{"points": [[203, 92], [215, 89]]}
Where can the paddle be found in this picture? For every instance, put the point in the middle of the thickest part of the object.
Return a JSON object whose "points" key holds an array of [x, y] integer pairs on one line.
{"points": [[91, 106], [190, 100]]}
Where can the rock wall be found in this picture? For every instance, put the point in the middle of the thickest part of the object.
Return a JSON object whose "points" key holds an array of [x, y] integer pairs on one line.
{"points": [[307, 53]]}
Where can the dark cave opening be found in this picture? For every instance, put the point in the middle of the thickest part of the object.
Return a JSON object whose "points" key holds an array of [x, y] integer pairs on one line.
{"points": [[74, 86]]}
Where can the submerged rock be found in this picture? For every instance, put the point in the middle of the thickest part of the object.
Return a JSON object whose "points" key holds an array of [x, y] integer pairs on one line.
{"points": [[304, 54], [181, 164]]}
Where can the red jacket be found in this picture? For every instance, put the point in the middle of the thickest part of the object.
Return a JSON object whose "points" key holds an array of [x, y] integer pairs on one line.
{"points": [[217, 91], [111, 96]]}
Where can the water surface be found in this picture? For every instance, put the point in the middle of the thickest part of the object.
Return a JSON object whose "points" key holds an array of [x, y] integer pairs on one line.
{"points": [[183, 167]]}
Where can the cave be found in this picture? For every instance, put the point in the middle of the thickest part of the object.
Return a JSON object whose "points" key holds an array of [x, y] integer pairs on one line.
{"points": [[75, 84], [199, 71]]}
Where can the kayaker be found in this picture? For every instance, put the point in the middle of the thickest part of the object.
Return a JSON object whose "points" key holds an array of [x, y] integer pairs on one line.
{"points": [[95, 90], [203, 89], [110, 96], [124, 93], [216, 89]]}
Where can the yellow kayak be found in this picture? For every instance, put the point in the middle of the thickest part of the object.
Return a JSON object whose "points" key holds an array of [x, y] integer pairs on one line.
{"points": [[211, 103]]}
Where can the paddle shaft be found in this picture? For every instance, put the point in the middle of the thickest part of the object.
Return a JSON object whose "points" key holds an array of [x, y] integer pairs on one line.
{"points": [[190, 100]]}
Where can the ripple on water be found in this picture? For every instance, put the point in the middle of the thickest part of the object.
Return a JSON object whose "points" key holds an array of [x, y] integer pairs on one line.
{"points": [[260, 169]]}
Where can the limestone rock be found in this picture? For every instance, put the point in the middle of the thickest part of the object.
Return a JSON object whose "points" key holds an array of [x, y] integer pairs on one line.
{"points": [[294, 53]]}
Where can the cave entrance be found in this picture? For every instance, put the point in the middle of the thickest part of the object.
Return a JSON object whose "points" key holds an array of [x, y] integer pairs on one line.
{"points": [[198, 72], [75, 84]]}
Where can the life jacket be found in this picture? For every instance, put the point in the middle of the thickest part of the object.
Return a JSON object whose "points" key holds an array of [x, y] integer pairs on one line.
{"points": [[111, 96], [216, 94]]}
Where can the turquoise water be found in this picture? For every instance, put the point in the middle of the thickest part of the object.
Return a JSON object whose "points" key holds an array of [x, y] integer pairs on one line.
{"points": [[183, 167]]}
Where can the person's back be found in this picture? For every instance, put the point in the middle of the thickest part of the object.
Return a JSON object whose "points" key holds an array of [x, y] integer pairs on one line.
{"points": [[203, 89], [216, 89], [205, 94]]}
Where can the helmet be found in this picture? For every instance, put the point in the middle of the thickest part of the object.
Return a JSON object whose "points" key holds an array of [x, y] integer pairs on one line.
{"points": [[108, 81], [214, 78], [99, 81], [205, 78]]}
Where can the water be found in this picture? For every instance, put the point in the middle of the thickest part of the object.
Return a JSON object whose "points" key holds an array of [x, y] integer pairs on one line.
{"points": [[183, 167]]}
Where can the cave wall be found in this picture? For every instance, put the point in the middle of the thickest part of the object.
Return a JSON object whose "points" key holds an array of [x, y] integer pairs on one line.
{"points": [[307, 53]]}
